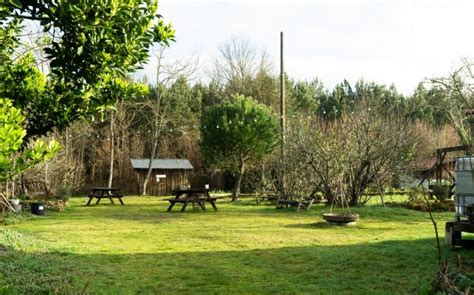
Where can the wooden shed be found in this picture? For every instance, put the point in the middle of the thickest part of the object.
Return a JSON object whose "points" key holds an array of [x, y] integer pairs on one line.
{"points": [[166, 175], [431, 169]]}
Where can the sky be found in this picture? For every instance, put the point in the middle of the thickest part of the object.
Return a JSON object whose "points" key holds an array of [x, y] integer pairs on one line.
{"points": [[388, 42]]}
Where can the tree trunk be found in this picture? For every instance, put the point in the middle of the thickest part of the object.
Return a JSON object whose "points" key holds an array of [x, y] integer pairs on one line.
{"points": [[46, 179], [111, 167], [236, 191], [149, 170], [354, 202], [66, 143]]}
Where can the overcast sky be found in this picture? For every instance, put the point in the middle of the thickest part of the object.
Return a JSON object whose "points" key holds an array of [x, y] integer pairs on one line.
{"points": [[399, 42]]}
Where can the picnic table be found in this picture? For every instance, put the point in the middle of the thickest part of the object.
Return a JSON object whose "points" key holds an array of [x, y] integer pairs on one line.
{"points": [[271, 196], [105, 192], [195, 196], [299, 204]]}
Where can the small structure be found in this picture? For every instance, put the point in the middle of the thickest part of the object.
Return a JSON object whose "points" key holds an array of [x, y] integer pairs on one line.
{"points": [[431, 170], [463, 202], [344, 218], [463, 198], [440, 177], [167, 175]]}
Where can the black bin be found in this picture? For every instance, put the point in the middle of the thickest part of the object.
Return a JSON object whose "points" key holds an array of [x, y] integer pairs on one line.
{"points": [[37, 209]]}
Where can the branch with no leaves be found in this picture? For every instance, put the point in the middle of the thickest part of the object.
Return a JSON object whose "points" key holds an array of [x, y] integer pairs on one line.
{"points": [[438, 247], [4, 204]]}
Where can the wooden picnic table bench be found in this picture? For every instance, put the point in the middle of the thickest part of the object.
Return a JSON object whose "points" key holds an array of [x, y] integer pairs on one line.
{"points": [[298, 204], [183, 200], [105, 192], [266, 196], [194, 196]]}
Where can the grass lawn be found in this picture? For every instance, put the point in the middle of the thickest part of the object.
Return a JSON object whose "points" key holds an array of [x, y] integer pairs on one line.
{"points": [[242, 248]]}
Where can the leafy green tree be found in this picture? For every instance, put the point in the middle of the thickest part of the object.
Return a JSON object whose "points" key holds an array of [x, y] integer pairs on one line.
{"points": [[212, 94], [13, 162], [344, 98], [28, 89], [429, 105], [117, 89], [236, 133], [94, 38], [93, 41], [307, 96], [332, 105]]}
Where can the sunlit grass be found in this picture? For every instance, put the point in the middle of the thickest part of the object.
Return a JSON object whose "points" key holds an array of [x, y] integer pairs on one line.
{"points": [[242, 248]]}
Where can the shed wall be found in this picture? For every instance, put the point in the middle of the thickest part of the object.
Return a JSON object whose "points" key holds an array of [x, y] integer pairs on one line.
{"points": [[174, 180]]}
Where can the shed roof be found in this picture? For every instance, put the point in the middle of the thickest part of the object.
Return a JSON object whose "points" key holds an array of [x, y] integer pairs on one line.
{"points": [[162, 164], [428, 164]]}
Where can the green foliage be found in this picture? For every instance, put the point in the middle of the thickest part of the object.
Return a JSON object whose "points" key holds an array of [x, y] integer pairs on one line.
{"points": [[463, 282], [9, 32], [95, 43], [27, 88], [114, 89], [312, 97], [212, 93], [307, 96], [185, 103], [441, 191], [237, 131], [13, 162], [96, 37], [429, 105]]}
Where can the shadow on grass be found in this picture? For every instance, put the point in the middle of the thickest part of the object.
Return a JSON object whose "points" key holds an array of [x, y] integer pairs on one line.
{"points": [[389, 267]]}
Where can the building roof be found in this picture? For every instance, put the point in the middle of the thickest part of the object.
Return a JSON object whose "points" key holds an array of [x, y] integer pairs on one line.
{"points": [[162, 164], [428, 164]]}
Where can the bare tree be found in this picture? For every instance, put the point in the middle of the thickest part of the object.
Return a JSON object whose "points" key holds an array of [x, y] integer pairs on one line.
{"points": [[158, 106], [459, 87], [239, 59], [364, 147], [241, 67], [381, 145]]}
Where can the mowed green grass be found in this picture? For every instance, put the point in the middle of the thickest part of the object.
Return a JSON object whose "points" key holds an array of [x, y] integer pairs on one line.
{"points": [[241, 249]]}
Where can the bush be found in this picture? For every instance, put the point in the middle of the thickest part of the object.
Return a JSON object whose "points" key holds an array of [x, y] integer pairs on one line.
{"points": [[441, 191], [416, 201], [64, 192]]}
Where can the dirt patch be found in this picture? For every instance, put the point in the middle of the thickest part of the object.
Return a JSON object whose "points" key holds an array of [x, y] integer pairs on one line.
{"points": [[3, 251]]}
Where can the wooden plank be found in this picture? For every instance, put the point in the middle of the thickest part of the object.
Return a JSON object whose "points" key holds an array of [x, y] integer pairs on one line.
{"points": [[454, 149], [177, 200], [463, 227]]}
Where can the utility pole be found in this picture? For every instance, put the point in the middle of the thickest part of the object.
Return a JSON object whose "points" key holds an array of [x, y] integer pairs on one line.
{"points": [[282, 98], [282, 112]]}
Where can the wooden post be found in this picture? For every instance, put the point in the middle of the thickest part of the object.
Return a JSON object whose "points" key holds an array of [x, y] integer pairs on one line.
{"points": [[470, 141], [438, 167], [282, 97], [282, 110], [111, 155]]}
